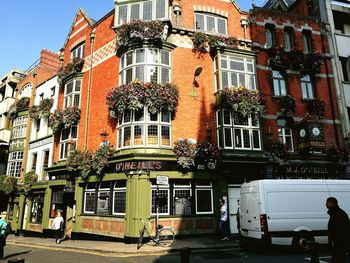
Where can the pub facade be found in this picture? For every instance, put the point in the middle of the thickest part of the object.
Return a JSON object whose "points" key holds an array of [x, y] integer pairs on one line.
{"points": [[182, 90]]}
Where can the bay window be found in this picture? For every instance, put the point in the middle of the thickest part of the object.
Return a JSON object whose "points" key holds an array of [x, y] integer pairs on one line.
{"points": [[68, 141], [19, 127], [72, 93], [14, 166], [142, 128], [210, 23], [142, 10], [146, 65], [234, 71], [238, 132]]}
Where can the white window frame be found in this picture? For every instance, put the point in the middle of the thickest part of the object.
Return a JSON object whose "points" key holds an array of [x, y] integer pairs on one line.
{"points": [[162, 188], [32, 160], [232, 127], [15, 164], [99, 192], [89, 190], [118, 190], [277, 80], [270, 36], [204, 188], [145, 65], [224, 67], [205, 17], [283, 137], [155, 3], [65, 142], [19, 127], [144, 124], [68, 100], [307, 87], [78, 51]]}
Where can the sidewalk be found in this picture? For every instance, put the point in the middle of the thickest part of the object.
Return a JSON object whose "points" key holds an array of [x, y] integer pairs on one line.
{"points": [[102, 247]]}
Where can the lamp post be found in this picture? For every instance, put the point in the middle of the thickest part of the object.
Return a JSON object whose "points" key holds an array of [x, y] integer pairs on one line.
{"points": [[244, 24]]}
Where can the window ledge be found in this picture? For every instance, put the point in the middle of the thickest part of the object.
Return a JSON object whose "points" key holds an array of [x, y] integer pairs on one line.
{"points": [[306, 100]]}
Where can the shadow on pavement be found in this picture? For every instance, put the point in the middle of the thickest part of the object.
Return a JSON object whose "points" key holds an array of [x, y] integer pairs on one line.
{"points": [[17, 254]]}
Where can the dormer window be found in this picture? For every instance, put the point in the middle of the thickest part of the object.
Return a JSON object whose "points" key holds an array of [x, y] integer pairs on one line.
{"points": [[78, 51], [210, 23], [145, 10]]}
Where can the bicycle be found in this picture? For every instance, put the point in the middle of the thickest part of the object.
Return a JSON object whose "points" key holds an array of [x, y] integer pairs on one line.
{"points": [[164, 236]]}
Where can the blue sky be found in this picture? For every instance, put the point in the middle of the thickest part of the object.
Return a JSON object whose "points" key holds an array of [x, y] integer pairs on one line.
{"points": [[26, 27]]}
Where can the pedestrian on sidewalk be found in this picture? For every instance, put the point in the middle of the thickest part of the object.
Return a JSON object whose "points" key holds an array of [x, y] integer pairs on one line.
{"points": [[238, 221], [338, 230], [4, 231], [57, 226], [223, 221]]}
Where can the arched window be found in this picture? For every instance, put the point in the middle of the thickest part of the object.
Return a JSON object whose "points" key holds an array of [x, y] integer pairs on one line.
{"points": [[26, 91]]}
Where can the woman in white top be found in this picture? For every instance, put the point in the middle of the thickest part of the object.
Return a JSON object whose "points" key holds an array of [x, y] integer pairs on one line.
{"points": [[57, 226]]}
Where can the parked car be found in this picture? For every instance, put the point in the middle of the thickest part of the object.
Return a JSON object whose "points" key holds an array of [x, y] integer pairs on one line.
{"points": [[289, 212]]}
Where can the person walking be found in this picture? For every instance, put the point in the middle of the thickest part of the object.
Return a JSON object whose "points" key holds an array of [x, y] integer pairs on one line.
{"points": [[57, 225], [238, 221], [223, 221], [338, 230], [3, 229]]}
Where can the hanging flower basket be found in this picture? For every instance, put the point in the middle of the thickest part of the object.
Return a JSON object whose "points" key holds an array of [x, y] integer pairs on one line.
{"points": [[88, 163], [287, 107], [209, 154], [139, 31], [26, 182], [317, 108], [42, 110], [186, 153], [278, 58], [20, 105], [64, 118], [8, 184], [280, 153], [75, 66], [310, 63], [203, 43], [243, 100], [136, 95]]}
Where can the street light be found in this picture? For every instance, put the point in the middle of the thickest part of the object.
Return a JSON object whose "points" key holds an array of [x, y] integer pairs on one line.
{"points": [[244, 24]]}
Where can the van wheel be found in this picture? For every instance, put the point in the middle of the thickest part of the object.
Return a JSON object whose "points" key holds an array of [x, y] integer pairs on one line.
{"points": [[301, 242]]}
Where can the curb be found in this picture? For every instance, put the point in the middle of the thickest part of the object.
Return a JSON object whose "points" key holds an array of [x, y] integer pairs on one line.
{"points": [[133, 253]]}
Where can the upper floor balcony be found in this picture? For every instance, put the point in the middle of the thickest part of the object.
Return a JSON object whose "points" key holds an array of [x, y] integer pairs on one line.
{"points": [[5, 104]]}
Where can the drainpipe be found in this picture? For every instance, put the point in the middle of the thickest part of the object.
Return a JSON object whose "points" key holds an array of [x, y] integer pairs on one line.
{"points": [[92, 41], [330, 92]]}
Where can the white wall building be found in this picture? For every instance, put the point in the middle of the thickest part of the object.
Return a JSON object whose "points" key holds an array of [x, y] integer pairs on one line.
{"points": [[40, 148]]}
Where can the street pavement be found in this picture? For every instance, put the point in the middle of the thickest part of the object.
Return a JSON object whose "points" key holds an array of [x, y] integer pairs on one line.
{"points": [[59, 255]]}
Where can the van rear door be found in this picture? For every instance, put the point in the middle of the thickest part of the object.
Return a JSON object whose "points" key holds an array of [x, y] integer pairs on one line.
{"points": [[250, 212]]}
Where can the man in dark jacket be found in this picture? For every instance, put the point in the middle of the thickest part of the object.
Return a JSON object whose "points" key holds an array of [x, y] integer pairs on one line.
{"points": [[338, 230]]}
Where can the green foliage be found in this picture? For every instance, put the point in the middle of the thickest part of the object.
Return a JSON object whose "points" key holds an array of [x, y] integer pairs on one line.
{"points": [[26, 182], [243, 100], [65, 118], [202, 43], [8, 184]]}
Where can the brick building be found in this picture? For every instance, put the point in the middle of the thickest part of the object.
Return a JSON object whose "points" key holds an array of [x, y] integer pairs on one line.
{"points": [[219, 59]]}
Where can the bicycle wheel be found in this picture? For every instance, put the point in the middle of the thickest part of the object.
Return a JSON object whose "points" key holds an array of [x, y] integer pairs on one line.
{"points": [[166, 237], [139, 243]]}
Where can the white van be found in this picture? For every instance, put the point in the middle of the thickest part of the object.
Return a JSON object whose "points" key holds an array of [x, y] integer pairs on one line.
{"points": [[290, 212]]}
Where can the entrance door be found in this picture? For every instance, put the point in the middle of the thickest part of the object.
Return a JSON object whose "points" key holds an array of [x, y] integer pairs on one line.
{"points": [[233, 196], [68, 200]]}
